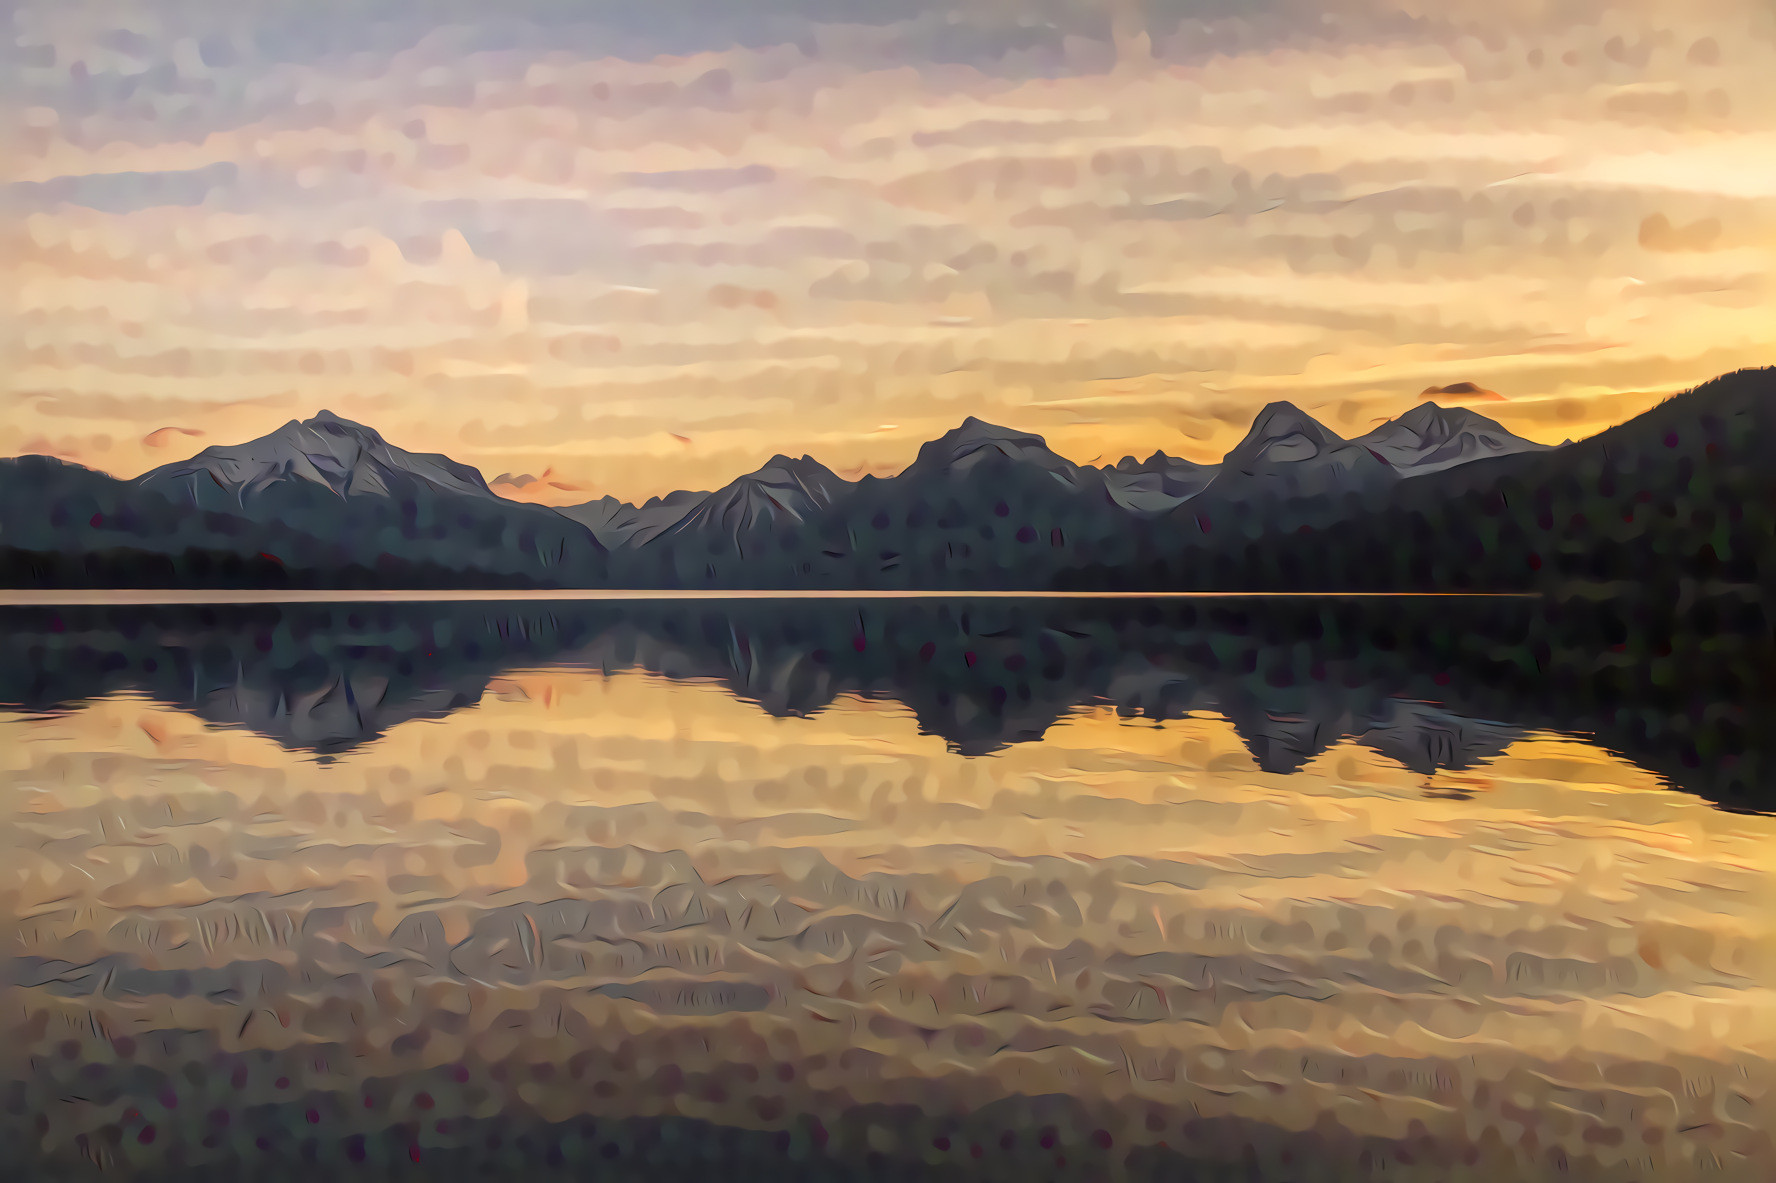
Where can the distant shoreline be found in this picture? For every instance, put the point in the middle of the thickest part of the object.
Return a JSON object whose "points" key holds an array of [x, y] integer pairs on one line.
{"points": [[151, 597]]}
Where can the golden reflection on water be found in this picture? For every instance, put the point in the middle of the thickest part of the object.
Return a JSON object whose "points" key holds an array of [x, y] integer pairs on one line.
{"points": [[1544, 965]]}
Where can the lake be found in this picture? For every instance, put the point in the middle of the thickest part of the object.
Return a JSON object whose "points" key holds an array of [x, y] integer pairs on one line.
{"points": [[950, 888]]}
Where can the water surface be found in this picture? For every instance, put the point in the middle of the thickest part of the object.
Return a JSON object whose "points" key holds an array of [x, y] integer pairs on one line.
{"points": [[922, 890]]}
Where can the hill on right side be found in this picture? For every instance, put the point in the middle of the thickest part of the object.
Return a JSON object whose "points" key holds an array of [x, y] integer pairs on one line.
{"points": [[1684, 494]]}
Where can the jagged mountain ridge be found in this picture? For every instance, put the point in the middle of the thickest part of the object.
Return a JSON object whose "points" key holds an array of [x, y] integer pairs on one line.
{"points": [[1289, 455], [782, 491], [1430, 438], [1159, 483], [336, 479], [617, 523], [794, 521], [976, 442], [1681, 495], [346, 458], [787, 492], [982, 506]]}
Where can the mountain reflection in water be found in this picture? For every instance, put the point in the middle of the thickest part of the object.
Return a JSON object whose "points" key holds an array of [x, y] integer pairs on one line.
{"points": [[940, 889]]}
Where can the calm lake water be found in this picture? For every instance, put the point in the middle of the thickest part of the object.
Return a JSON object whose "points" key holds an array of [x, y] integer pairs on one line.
{"points": [[940, 890]]}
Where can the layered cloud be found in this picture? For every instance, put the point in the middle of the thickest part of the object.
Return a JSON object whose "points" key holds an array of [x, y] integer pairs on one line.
{"points": [[647, 246]]}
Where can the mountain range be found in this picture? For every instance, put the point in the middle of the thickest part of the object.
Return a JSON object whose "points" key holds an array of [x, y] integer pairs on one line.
{"points": [[1436, 498]]}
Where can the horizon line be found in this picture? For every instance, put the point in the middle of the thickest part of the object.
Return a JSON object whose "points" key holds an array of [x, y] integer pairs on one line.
{"points": [[157, 597], [1665, 393], [865, 472]]}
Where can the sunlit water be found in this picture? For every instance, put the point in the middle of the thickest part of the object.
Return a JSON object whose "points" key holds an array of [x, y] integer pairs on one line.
{"points": [[587, 919]]}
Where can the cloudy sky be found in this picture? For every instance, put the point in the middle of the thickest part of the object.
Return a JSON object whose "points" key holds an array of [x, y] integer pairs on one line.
{"points": [[630, 247]]}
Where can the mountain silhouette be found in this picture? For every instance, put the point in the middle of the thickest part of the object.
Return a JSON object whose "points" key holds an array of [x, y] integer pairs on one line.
{"points": [[1683, 496], [618, 523], [783, 491], [977, 443], [1437, 499], [345, 458], [1430, 438], [63, 525], [1154, 485], [341, 480], [1289, 455], [379, 504], [980, 506]]}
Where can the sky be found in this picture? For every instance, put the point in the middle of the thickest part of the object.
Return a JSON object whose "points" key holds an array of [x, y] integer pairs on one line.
{"points": [[597, 248]]}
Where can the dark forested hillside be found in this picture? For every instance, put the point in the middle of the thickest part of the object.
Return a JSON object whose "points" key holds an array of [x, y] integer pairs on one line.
{"points": [[1684, 495], [62, 525]]}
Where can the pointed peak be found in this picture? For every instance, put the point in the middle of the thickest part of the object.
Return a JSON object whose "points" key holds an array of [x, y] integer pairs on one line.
{"points": [[326, 449], [801, 466], [1428, 411], [975, 431], [1281, 412], [1159, 461], [975, 427], [327, 421], [976, 440], [1283, 418], [1430, 437], [1452, 419]]}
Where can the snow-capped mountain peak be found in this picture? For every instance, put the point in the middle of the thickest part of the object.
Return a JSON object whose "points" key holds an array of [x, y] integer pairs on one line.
{"points": [[1429, 438], [783, 490], [1283, 432], [346, 457], [976, 441]]}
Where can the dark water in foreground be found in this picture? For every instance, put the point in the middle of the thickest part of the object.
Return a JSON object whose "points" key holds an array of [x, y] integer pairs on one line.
{"points": [[950, 889]]}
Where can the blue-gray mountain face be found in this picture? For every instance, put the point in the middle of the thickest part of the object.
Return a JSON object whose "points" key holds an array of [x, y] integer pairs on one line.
{"points": [[1150, 487], [342, 457], [1438, 499], [1429, 438], [342, 481]]}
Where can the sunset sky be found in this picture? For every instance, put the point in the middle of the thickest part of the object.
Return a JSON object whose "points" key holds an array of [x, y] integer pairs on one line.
{"points": [[627, 248]]}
